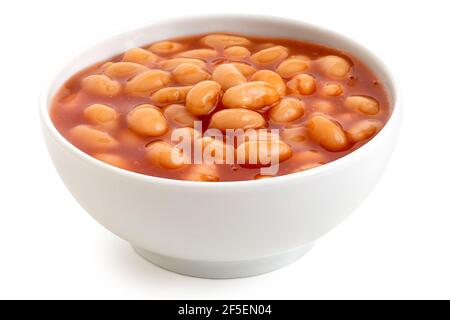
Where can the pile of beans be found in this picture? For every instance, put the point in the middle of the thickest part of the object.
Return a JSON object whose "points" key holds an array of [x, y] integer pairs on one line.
{"points": [[324, 102]]}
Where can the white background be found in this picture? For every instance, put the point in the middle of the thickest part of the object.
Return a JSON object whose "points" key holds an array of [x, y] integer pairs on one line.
{"points": [[397, 244]]}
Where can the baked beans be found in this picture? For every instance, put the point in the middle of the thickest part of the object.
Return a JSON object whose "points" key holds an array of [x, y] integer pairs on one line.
{"points": [[238, 98]]}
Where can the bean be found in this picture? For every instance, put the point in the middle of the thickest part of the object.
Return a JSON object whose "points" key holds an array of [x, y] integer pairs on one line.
{"points": [[113, 159], [334, 66], [293, 66], [346, 117], [303, 84], [270, 55], [301, 57], [147, 120], [199, 54], [323, 106], [166, 47], [171, 95], [188, 74], [100, 114], [93, 138], [237, 119], [141, 56], [366, 105], [224, 41], [104, 66], [271, 78], [327, 133], [287, 110], [260, 152], [179, 115], [236, 53], [246, 69], [250, 95], [333, 89], [165, 155], [295, 136], [309, 157], [203, 97], [128, 138], [364, 130], [147, 82], [203, 173], [261, 177], [171, 64], [189, 133], [101, 85], [124, 70], [261, 135], [215, 150], [265, 45], [227, 75]]}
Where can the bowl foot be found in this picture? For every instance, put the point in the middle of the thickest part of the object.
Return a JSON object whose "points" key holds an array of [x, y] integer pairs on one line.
{"points": [[224, 269]]}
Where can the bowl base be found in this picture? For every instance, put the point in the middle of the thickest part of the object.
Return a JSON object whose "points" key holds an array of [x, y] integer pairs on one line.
{"points": [[224, 269]]}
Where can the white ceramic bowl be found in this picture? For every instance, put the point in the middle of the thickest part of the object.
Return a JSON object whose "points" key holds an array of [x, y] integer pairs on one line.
{"points": [[224, 229]]}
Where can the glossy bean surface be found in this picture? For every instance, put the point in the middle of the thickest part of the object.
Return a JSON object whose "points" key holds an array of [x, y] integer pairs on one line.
{"points": [[251, 95], [203, 97], [144, 84], [237, 119], [147, 120], [227, 75]]}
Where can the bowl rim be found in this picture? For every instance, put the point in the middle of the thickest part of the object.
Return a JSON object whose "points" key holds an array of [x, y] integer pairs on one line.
{"points": [[318, 171]]}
